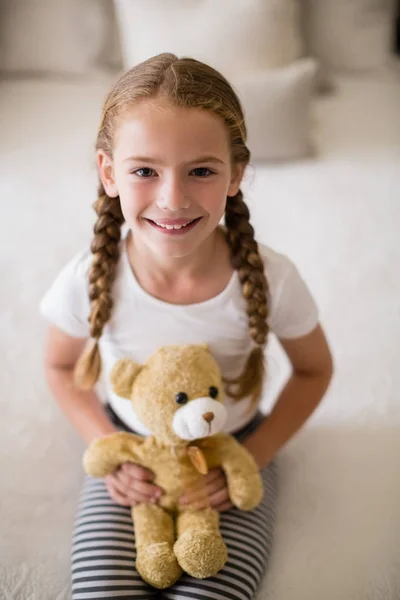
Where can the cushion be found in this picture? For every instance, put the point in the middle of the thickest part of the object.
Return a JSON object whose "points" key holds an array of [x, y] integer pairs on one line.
{"points": [[50, 36], [277, 106], [256, 45], [350, 35], [109, 56], [251, 36]]}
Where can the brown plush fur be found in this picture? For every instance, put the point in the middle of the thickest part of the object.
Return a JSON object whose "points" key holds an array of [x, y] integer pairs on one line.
{"points": [[171, 538]]}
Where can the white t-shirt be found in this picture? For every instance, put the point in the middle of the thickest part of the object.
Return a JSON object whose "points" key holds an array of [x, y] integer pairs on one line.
{"points": [[140, 323]]}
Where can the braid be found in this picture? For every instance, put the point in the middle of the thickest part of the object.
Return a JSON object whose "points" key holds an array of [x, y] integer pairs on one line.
{"points": [[247, 261], [105, 249]]}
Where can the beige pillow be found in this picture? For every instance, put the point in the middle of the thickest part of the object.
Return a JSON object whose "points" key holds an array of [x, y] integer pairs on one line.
{"points": [[278, 111], [256, 44], [233, 36], [47, 37], [110, 52], [349, 35]]}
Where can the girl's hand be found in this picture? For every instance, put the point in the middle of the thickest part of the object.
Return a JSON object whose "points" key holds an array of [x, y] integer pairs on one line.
{"points": [[131, 484], [217, 492]]}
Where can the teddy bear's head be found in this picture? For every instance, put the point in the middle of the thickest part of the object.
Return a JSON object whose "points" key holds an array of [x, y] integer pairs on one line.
{"points": [[177, 394]]}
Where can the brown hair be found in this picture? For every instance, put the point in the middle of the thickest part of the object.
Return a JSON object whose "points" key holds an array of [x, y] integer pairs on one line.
{"points": [[191, 84]]}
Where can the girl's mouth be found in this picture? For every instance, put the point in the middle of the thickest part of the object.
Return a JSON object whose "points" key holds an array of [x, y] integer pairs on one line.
{"points": [[179, 227]]}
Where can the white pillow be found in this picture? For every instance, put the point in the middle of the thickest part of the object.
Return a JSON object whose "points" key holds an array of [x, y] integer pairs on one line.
{"points": [[278, 111], [254, 43], [350, 35], [49, 36], [109, 55], [233, 36]]}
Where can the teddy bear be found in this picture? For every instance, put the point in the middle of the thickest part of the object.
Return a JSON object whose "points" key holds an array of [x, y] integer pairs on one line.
{"points": [[178, 395]]}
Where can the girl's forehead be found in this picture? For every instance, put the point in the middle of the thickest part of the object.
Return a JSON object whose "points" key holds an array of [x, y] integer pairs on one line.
{"points": [[162, 108], [161, 123]]}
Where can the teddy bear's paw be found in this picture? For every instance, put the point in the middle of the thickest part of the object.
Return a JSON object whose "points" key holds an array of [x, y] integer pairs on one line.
{"points": [[157, 565], [201, 553], [247, 494]]}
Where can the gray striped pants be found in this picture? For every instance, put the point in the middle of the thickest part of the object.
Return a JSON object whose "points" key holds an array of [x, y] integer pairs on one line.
{"points": [[103, 551]]}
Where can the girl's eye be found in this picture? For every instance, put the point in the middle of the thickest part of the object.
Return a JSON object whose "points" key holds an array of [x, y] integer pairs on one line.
{"points": [[202, 172], [144, 172], [147, 173]]}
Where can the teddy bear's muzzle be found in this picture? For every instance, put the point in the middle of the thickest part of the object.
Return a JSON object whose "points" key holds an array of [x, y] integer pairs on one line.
{"points": [[199, 418]]}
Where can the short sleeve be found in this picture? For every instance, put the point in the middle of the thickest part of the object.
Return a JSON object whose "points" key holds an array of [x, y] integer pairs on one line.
{"points": [[66, 304], [293, 310]]}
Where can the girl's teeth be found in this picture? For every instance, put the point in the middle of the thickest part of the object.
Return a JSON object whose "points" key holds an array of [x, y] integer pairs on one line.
{"points": [[172, 226]]}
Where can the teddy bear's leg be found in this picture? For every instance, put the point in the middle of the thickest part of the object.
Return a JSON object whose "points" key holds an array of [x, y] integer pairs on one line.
{"points": [[200, 549], [155, 536]]}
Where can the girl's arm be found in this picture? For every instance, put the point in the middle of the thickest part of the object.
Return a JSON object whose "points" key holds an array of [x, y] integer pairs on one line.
{"points": [[83, 408], [311, 361], [129, 484]]}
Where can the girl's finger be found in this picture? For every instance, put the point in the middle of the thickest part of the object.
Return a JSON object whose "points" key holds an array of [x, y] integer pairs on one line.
{"points": [[224, 507], [118, 485], [215, 486], [116, 496], [146, 489], [137, 472], [125, 492], [220, 502], [200, 496], [210, 483], [120, 499], [132, 495], [125, 499], [219, 498], [214, 474]]}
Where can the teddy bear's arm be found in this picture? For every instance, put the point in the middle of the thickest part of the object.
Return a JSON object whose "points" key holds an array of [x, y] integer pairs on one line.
{"points": [[105, 454], [242, 473]]}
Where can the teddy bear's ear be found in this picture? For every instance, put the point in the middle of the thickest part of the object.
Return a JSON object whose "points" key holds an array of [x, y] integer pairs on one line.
{"points": [[122, 376]]}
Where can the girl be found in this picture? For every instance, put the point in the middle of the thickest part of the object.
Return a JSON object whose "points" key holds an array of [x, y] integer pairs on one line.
{"points": [[171, 152]]}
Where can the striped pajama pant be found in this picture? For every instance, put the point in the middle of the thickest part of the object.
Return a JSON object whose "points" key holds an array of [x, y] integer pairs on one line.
{"points": [[103, 549]]}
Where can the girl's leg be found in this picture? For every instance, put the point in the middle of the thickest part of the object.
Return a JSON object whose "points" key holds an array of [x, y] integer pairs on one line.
{"points": [[248, 536], [103, 549]]}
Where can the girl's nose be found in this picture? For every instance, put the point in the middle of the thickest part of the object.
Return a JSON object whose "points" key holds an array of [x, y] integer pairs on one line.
{"points": [[172, 196]]}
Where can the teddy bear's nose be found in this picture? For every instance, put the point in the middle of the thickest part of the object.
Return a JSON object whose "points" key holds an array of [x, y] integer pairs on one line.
{"points": [[209, 416]]}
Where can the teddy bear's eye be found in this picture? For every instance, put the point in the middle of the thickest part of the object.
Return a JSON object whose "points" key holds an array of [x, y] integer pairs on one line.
{"points": [[213, 391], [181, 398]]}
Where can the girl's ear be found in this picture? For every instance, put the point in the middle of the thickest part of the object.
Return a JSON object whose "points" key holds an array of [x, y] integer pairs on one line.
{"points": [[122, 377], [106, 173], [236, 179]]}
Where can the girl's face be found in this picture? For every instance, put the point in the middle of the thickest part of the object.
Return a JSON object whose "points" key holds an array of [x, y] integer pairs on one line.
{"points": [[171, 168]]}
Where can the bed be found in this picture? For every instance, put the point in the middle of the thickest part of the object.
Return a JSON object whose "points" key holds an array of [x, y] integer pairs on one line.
{"points": [[337, 215]]}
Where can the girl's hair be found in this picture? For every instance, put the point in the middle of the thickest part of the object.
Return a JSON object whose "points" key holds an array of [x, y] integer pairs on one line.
{"points": [[190, 84]]}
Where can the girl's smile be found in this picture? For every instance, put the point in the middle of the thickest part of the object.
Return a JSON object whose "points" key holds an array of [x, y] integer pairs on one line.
{"points": [[176, 227]]}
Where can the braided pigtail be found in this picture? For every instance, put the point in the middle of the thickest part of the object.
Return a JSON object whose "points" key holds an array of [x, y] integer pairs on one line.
{"points": [[247, 261], [105, 249]]}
